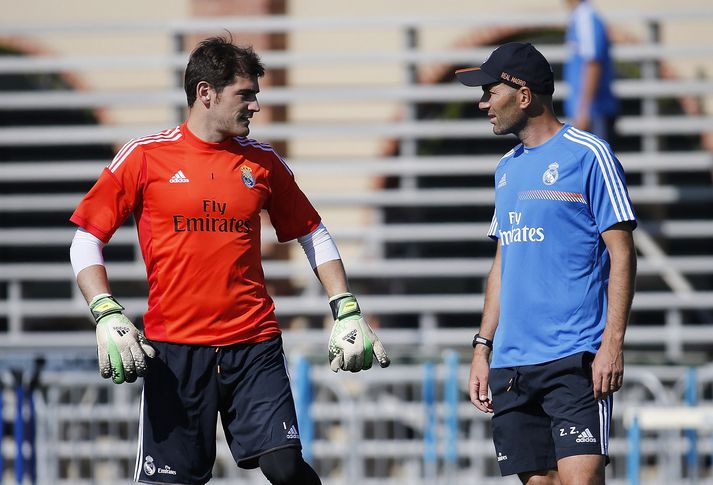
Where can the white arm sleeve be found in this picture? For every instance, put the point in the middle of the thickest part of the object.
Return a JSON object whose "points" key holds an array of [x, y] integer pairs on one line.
{"points": [[86, 250], [319, 246]]}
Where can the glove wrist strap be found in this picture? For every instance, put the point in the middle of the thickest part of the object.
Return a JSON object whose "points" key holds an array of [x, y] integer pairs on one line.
{"points": [[344, 305], [103, 305]]}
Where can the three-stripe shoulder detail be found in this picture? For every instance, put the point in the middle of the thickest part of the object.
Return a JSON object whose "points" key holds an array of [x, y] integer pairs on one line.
{"points": [[511, 152], [605, 160], [172, 134], [266, 147], [253, 143]]}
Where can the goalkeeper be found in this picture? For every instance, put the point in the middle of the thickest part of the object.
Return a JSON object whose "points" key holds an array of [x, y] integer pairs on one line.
{"points": [[212, 344]]}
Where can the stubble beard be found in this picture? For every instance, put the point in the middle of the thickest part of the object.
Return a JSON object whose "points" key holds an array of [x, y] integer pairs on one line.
{"points": [[235, 127], [511, 125]]}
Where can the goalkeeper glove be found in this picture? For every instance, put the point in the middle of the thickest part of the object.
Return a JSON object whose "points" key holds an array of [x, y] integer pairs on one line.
{"points": [[352, 344], [121, 348]]}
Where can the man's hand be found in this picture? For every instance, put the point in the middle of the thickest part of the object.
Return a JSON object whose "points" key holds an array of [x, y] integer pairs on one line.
{"points": [[121, 348], [607, 371], [352, 344], [478, 380]]}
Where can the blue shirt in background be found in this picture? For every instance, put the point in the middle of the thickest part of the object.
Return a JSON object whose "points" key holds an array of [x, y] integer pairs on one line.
{"points": [[587, 40]]}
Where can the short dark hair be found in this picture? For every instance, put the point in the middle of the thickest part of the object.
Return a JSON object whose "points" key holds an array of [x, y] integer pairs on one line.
{"points": [[217, 61]]}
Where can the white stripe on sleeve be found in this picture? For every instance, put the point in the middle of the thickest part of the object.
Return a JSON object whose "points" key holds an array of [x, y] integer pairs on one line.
{"points": [[611, 171], [618, 199], [492, 231]]}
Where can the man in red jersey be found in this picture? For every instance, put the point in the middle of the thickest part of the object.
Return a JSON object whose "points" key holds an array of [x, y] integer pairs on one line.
{"points": [[196, 192]]}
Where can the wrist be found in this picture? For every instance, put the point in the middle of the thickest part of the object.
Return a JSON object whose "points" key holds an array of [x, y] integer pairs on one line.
{"points": [[612, 340], [344, 305], [480, 341], [103, 305], [482, 351]]}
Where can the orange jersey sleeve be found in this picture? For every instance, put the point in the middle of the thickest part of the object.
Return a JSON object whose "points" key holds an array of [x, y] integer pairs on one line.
{"points": [[115, 194]]}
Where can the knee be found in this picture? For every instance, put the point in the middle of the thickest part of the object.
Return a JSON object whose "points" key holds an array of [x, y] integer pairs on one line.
{"points": [[285, 474], [282, 467], [540, 478], [537, 480]]}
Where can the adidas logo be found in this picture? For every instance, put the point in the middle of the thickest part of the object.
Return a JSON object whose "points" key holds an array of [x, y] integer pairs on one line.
{"points": [[121, 331], [586, 436], [178, 178], [503, 181], [292, 433], [351, 336], [502, 457]]}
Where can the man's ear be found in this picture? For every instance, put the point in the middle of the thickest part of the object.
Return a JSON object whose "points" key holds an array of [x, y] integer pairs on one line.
{"points": [[205, 93], [524, 97]]}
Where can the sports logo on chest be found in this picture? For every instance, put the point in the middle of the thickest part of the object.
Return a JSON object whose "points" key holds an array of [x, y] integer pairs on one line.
{"points": [[247, 176], [551, 174], [562, 185]]}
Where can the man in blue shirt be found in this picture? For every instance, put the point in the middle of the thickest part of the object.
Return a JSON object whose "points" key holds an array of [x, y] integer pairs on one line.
{"points": [[559, 292], [589, 72]]}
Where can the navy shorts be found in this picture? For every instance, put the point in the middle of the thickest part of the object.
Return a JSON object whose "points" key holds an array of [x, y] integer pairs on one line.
{"points": [[185, 390], [545, 412]]}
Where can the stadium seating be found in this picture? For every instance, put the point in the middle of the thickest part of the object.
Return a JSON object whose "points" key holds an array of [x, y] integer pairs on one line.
{"points": [[411, 223]]}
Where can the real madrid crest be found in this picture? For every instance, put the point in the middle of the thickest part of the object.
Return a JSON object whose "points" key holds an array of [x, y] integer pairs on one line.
{"points": [[551, 174], [149, 467], [247, 176]]}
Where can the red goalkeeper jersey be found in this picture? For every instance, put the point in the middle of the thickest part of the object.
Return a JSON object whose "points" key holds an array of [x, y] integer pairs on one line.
{"points": [[197, 210]]}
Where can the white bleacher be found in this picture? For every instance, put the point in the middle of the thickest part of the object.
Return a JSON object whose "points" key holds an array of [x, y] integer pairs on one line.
{"points": [[77, 135], [671, 312], [646, 163], [30, 100]]}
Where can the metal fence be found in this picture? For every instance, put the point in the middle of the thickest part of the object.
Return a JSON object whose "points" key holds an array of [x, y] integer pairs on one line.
{"points": [[411, 424]]}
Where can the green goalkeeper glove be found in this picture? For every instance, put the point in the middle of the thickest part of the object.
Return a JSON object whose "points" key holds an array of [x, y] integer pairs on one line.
{"points": [[352, 344], [121, 348]]}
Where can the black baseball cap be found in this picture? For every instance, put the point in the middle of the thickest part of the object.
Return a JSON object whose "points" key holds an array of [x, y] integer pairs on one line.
{"points": [[515, 63]]}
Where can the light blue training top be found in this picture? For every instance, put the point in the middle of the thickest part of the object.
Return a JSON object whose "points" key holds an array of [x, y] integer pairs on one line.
{"points": [[552, 202]]}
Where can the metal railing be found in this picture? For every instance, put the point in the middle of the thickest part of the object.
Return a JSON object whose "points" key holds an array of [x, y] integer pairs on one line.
{"points": [[413, 424]]}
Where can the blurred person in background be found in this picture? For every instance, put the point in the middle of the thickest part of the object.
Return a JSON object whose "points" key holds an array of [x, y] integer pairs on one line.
{"points": [[213, 343], [589, 72], [559, 292]]}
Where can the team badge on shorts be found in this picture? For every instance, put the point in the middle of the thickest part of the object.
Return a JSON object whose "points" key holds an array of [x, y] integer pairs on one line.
{"points": [[149, 467], [551, 174], [247, 177]]}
